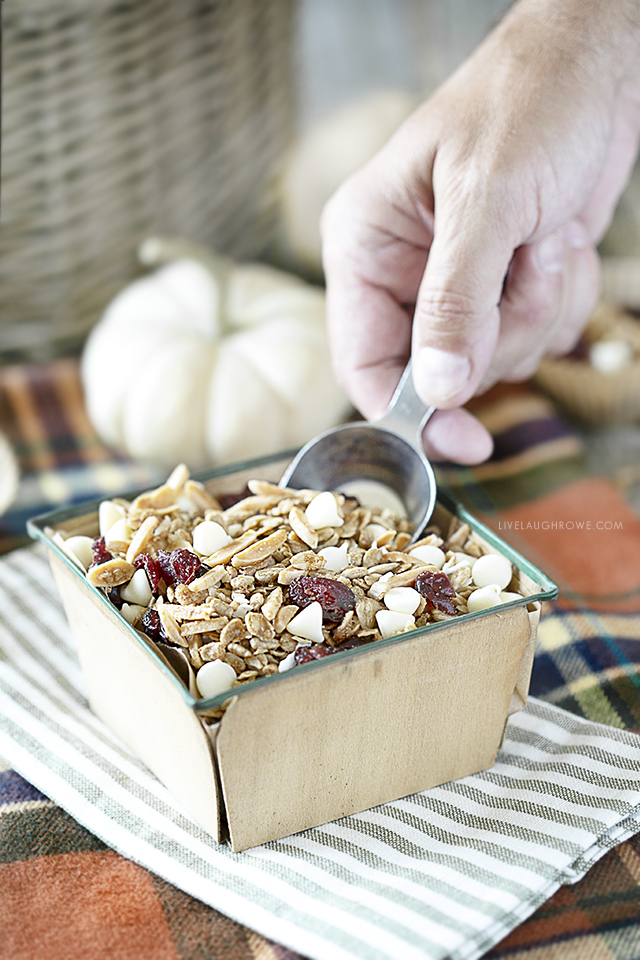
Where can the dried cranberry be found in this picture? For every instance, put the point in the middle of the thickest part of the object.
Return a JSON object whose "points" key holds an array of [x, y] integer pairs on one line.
{"points": [[315, 652], [100, 552], [151, 568], [114, 597], [351, 643], [152, 626], [436, 588], [179, 566], [334, 597], [163, 561], [227, 500]]}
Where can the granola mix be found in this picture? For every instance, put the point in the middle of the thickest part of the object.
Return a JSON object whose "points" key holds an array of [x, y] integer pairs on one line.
{"points": [[278, 577]]}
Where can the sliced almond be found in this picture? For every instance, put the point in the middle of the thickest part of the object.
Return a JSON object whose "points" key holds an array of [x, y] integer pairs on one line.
{"points": [[259, 551], [211, 651], [366, 609], [239, 650], [190, 611], [272, 604], [192, 627], [161, 497], [257, 661], [234, 661], [200, 496], [208, 580], [110, 574], [262, 488], [402, 541], [349, 626], [286, 576], [170, 626], [406, 579], [301, 526], [258, 626], [142, 536], [353, 573], [178, 477], [284, 616], [224, 554], [308, 560], [234, 632], [248, 508]]}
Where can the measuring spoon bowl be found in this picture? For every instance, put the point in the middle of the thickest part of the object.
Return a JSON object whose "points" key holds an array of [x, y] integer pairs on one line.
{"points": [[370, 456]]}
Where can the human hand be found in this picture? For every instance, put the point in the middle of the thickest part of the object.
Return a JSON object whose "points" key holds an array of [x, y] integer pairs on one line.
{"points": [[468, 242]]}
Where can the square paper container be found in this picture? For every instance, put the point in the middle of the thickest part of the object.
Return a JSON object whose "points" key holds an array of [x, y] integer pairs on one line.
{"points": [[332, 738]]}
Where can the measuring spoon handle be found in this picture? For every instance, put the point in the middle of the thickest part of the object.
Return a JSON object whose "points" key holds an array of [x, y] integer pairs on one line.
{"points": [[406, 414]]}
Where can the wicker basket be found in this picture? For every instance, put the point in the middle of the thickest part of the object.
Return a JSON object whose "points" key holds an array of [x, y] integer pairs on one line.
{"points": [[124, 118], [591, 394]]}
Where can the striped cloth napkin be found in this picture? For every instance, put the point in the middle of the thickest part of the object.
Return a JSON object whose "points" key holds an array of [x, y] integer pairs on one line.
{"points": [[442, 874]]}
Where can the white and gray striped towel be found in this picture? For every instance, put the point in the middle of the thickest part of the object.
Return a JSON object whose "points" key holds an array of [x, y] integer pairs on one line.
{"points": [[442, 874]]}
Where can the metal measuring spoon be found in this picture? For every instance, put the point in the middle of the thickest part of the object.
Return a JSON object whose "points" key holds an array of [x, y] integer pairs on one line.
{"points": [[388, 451]]}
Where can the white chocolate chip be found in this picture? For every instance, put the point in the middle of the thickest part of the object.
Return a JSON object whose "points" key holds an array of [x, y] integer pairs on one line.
{"points": [[488, 596], [308, 623], [288, 662], [208, 537], [119, 533], [380, 536], [607, 356], [142, 536], [137, 590], [79, 549], [492, 568], [506, 596], [434, 556], [108, 514], [132, 611], [335, 558], [390, 622], [402, 600], [215, 677], [323, 511], [379, 588]]}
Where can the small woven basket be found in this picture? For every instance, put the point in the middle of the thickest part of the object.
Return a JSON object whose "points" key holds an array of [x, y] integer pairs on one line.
{"points": [[126, 118], [593, 395]]}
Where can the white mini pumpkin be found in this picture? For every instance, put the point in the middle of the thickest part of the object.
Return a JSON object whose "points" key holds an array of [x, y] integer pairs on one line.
{"points": [[207, 362], [9, 474]]}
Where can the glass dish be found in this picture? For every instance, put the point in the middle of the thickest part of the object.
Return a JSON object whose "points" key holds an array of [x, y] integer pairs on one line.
{"points": [[82, 518]]}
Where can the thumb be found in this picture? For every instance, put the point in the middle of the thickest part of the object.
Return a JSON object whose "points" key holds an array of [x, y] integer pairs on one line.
{"points": [[457, 318]]}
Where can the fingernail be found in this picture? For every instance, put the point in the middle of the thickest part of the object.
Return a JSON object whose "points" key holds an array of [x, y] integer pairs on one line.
{"points": [[551, 254], [441, 373], [575, 235]]}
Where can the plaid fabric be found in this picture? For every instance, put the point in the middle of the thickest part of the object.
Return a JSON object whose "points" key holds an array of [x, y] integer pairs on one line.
{"points": [[60, 457], [64, 895]]}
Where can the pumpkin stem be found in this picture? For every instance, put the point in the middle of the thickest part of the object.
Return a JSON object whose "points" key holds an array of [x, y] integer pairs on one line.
{"points": [[156, 251]]}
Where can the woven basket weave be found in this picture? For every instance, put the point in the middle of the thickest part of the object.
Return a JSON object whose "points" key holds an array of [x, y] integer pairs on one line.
{"points": [[124, 118]]}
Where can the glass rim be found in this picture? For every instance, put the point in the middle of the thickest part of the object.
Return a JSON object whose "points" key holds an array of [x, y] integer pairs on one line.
{"points": [[547, 589]]}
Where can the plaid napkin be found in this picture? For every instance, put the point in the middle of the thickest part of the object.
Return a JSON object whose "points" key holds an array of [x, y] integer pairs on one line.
{"points": [[60, 456], [442, 874]]}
